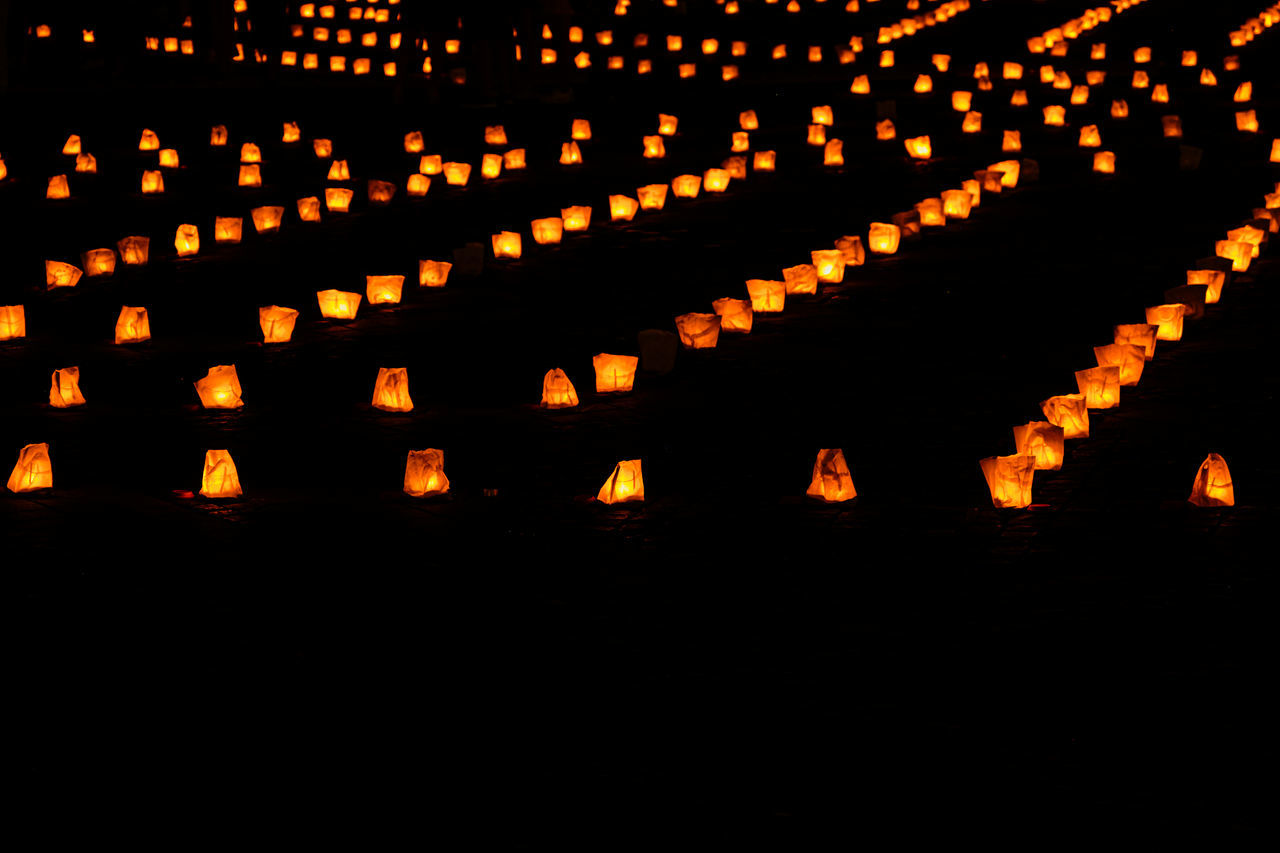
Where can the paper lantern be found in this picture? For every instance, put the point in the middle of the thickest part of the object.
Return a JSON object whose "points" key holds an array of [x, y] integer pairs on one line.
{"points": [[418, 185], [686, 186], [1043, 441], [506, 244], [98, 262], [698, 331], [1018, 98], [972, 123], [918, 147], [974, 188], [747, 120], [1089, 136], [740, 141], [1009, 171], [801, 279], [457, 174], [380, 192], [886, 59], [86, 163], [577, 218], [764, 161], [1093, 78], [1160, 94], [831, 479], [227, 229], [338, 199], [148, 141], [433, 273], [424, 473], [1213, 281], [941, 61], [667, 124], [827, 266], [432, 164], [1011, 71], [1244, 234], [250, 153], [309, 209], [276, 323], [1171, 127], [220, 388], [736, 315], [338, 304], [391, 391], [250, 176], [65, 389], [1168, 319], [961, 100], [1061, 80], [1138, 334], [767, 297], [218, 135], [187, 240], [1130, 359], [907, 222], [1047, 74], [886, 130], [59, 274], [715, 180], [1098, 51], [557, 391], [779, 51], [1231, 63], [33, 471], [1068, 411], [384, 289], [168, 158], [931, 212], [1247, 121], [1009, 480], [1243, 93], [1212, 486], [1238, 252], [152, 182], [851, 250], [13, 322], [547, 230], [883, 238], [625, 484], [817, 134], [570, 154], [220, 478], [132, 326], [622, 208], [1104, 162], [923, 84], [861, 85], [822, 115], [644, 66], [1012, 141], [1275, 150], [614, 372], [652, 197], [1100, 386], [1055, 116]]}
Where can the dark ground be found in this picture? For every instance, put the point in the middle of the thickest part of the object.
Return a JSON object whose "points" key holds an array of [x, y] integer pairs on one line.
{"points": [[728, 650]]}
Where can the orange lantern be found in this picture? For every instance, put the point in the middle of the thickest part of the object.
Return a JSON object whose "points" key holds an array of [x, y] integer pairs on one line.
{"points": [[1171, 126], [250, 153], [276, 323], [430, 164], [1009, 479], [740, 141], [1043, 441], [918, 147], [1104, 162], [1243, 234], [747, 120], [1012, 141], [625, 484], [168, 158], [1168, 319], [1247, 121], [667, 124], [851, 250], [418, 185], [13, 322], [1238, 252], [1138, 334], [1018, 98], [931, 212], [822, 115], [98, 262], [1275, 150], [152, 182], [290, 133], [861, 85], [86, 163], [338, 199], [1140, 80], [187, 240], [218, 135], [250, 176], [33, 471], [960, 101], [1055, 116], [883, 238], [1212, 486], [735, 314], [65, 389], [885, 129], [1213, 281], [715, 180], [1080, 95], [220, 478], [457, 174], [764, 161], [577, 218], [391, 392], [148, 141], [831, 478], [686, 186], [220, 388], [828, 266], [767, 297], [1089, 136], [801, 279], [493, 135], [923, 84], [1009, 170], [132, 326], [570, 154], [59, 274], [817, 134], [1011, 71], [338, 304], [424, 473], [380, 192], [622, 208], [1160, 94], [974, 188], [267, 218], [1100, 386], [941, 61], [581, 129], [433, 273], [1098, 51], [972, 122], [557, 391], [1130, 359], [1093, 78], [614, 372], [548, 230], [506, 244], [309, 209], [886, 59], [384, 289], [698, 331], [322, 147], [1243, 93], [652, 197], [955, 204], [227, 229], [1062, 80], [1069, 412], [1142, 54], [654, 149]]}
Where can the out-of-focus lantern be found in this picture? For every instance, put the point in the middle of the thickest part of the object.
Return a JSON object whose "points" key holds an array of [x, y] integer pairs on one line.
{"points": [[424, 473], [98, 262], [1012, 141], [1009, 171], [494, 134], [625, 484], [1138, 334], [1018, 98], [767, 297], [581, 129], [323, 148], [1011, 71], [290, 133], [1212, 486], [1130, 359], [309, 209], [918, 147], [557, 391], [972, 122], [384, 289], [250, 153], [168, 158], [1055, 116], [614, 372], [941, 61], [338, 199], [1238, 252], [64, 391], [779, 51], [698, 331], [740, 141], [13, 322], [227, 229], [1009, 479], [1243, 234], [1068, 411], [59, 274], [1142, 54], [1120, 109], [417, 185], [653, 196], [218, 135], [152, 182], [828, 266], [907, 222], [622, 208], [956, 204], [1080, 95], [886, 130], [931, 212], [380, 192], [338, 304], [1093, 78], [822, 115], [72, 146], [1061, 80], [1213, 281], [974, 188], [220, 478], [277, 323], [250, 176], [570, 154], [1160, 94], [1047, 74], [1171, 126], [433, 273], [391, 392], [747, 120], [1104, 162], [801, 279], [735, 314], [1247, 121], [548, 230], [1140, 80], [132, 326], [33, 471], [577, 218], [1098, 50], [715, 180], [513, 159], [667, 124], [686, 186], [886, 59], [883, 238], [960, 101], [1089, 136], [148, 141], [1243, 93], [220, 388], [267, 218], [1169, 320], [86, 163], [861, 85], [831, 479], [1231, 63], [817, 134], [187, 240], [1041, 440], [654, 149], [506, 244], [764, 161], [457, 174], [923, 84], [850, 248], [1208, 78]]}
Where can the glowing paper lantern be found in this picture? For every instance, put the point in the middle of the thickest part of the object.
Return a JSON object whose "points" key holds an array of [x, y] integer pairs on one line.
{"points": [[457, 174], [736, 315], [767, 297], [65, 389], [622, 208], [309, 209], [152, 182], [1069, 412], [13, 322], [625, 484], [570, 154], [1100, 386], [1043, 441], [652, 197], [1129, 359], [1168, 319], [817, 134], [861, 85], [576, 218], [960, 101], [764, 161], [828, 266], [972, 122], [391, 391], [919, 147], [1012, 141], [851, 250], [1238, 252], [506, 244], [132, 326], [33, 470], [220, 388], [250, 176], [338, 199], [220, 478], [801, 279], [384, 289], [1104, 162], [747, 120], [187, 240], [1055, 116], [557, 391], [1213, 281], [433, 273], [218, 135], [686, 186], [60, 274], [831, 479], [1089, 136], [424, 473], [148, 141], [277, 323], [883, 238], [168, 158], [956, 204], [548, 230], [698, 331], [98, 262], [380, 192], [227, 229], [86, 163], [931, 213], [614, 372], [338, 304], [667, 124], [1009, 480], [1212, 485]]}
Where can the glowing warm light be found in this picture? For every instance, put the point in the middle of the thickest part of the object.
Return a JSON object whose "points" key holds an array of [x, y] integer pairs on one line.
{"points": [[622, 208], [433, 273], [1212, 485], [276, 323], [220, 478], [384, 289], [1104, 162], [557, 391], [132, 325], [735, 314], [98, 262], [698, 331], [187, 240], [1168, 320], [64, 391], [457, 174], [33, 470], [506, 244], [547, 231], [1009, 480], [338, 304], [1043, 441], [653, 196], [134, 251], [764, 161], [220, 388], [918, 147], [767, 297], [614, 372], [625, 484], [60, 274], [686, 186]]}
